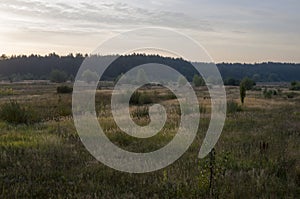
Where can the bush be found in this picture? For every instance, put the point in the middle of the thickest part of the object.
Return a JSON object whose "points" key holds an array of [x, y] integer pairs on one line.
{"points": [[139, 98], [13, 112], [90, 76], [233, 107], [141, 112], [144, 99], [64, 89], [295, 86], [269, 93], [291, 95], [182, 81], [198, 81], [58, 76]]}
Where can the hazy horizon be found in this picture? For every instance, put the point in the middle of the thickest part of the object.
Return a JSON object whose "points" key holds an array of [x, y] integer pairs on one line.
{"points": [[165, 56]]}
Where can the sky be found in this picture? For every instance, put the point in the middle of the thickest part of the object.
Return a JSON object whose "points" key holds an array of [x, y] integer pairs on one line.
{"points": [[230, 30]]}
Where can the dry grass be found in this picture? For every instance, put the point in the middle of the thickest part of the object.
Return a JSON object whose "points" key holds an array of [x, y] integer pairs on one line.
{"points": [[48, 160]]}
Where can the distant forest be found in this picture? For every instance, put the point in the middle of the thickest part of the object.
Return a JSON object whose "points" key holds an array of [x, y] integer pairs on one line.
{"points": [[17, 68]]}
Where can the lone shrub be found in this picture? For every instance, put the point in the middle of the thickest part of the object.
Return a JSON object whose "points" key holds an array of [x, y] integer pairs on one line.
{"points": [[14, 113], [181, 81], [295, 86], [269, 93], [139, 98], [64, 89], [198, 81], [89, 76]]}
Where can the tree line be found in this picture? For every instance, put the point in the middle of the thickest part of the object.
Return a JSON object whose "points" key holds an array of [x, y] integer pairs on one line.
{"points": [[22, 67]]}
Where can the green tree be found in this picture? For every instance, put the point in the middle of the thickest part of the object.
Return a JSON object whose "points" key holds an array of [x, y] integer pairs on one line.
{"points": [[141, 77], [198, 81], [181, 80], [58, 76], [242, 92], [89, 76], [248, 83]]}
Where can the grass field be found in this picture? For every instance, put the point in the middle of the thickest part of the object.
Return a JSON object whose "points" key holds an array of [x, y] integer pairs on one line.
{"points": [[257, 156]]}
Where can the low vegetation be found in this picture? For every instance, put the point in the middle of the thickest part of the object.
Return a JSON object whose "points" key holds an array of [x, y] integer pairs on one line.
{"points": [[269, 93], [233, 107], [64, 89], [257, 154], [15, 113], [198, 81], [140, 98], [295, 86], [6, 91]]}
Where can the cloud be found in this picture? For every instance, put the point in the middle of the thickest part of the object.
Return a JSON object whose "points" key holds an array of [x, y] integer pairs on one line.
{"points": [[90, 16], [221, 25]]}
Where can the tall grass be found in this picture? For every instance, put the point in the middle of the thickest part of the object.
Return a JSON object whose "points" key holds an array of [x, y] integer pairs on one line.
{"points": [[233, 107], [13, 112], [257, 154]]}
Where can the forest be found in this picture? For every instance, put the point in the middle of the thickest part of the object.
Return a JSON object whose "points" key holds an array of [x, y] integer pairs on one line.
{"points": [[36, 67]]}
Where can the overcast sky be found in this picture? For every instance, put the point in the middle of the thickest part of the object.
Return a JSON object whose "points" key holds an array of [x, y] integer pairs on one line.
{"points": [[230, 30]]}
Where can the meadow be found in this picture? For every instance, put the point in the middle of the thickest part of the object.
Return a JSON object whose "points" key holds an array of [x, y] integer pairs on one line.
{"points": [[257, 155]]}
